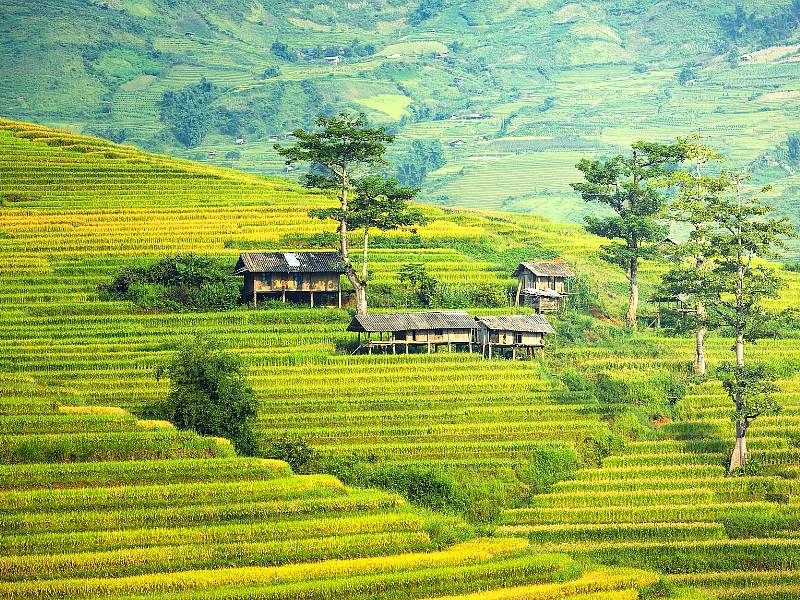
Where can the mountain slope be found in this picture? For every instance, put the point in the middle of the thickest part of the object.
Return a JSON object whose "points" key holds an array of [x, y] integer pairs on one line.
{"points": [[162, 512], [552, 81]]}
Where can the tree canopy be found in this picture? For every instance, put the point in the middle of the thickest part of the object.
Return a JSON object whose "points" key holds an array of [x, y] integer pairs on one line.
{"points": [[209, 393]]}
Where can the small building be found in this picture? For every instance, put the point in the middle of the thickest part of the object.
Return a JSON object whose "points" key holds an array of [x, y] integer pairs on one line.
{"points": [[669, 307], [517, 332], [667, 243], [746, 58], [240, 141], [296, 276], [542, 284], [456, 143], [394, 56], [414, 330], [333, 60]]}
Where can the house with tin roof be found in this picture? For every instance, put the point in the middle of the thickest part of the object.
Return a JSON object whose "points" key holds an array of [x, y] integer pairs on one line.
{"points": [[518, 333], [313, 277], [542, 284], [414, 330]]}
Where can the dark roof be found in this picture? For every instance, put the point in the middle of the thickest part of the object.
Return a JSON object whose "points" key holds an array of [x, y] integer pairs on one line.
{"points": [[546, 293], [676, 298], [519, 323], [412, 321], [289, 262], [545, 268]]}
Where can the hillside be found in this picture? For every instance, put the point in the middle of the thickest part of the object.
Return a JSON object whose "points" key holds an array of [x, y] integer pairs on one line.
{"points": [[521, 89], [165, 512]]}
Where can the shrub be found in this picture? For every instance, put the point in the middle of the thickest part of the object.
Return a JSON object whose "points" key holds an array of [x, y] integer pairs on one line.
{"points": [[184, 281], [548, 465], [294, 450], [479, 501], [209, 394]]}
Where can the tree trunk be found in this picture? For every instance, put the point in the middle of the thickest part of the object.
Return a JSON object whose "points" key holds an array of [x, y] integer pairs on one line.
{"points": [[364, 264], [700, 352], [361, 298], [739, 349], [359, 287], [702, 316], [633, 302], [739, 455]]}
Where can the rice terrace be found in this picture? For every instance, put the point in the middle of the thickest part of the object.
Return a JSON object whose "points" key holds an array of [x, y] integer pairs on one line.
{"points": [[438, 300]]}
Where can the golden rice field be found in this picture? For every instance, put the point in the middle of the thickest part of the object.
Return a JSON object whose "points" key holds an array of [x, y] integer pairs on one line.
{"points": [[97, 503]]}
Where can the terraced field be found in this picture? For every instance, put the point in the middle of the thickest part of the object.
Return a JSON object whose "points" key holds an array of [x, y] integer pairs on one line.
{"points": [[97, 503], [665, 504], [130, 508]]}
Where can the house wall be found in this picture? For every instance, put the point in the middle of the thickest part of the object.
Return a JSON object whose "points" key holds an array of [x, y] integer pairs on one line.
{"points": [[508, 338], [456, 336], [293, 282], [529, 280], [541, 304]]}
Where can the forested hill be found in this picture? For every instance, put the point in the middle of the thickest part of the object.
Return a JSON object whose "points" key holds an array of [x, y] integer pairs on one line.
{"points": [[510, 92]]}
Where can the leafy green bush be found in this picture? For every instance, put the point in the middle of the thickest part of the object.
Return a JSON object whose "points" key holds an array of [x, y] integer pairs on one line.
{"points": [[184, 281], [548, 465], [294, 450], [209, 393], [477, 500]]}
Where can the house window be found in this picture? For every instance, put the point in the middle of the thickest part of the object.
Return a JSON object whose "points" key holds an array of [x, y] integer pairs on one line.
{"points": [[517, 338], [438, 332]]}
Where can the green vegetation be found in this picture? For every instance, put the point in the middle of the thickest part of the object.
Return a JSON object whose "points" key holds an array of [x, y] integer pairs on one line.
{"points": [[184, 281], [525, 90], [558, 477], [630, 187], [209, 394]]}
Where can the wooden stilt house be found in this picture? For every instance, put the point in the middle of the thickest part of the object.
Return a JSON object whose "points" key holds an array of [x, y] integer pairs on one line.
{"points": [[523, 333], [314, 277], [428, 330], [542, 284]]}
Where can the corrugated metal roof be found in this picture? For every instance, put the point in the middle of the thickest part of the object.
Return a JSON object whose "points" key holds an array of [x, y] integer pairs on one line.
{"points": [[289, 262], [547, 293], [545, 268], [413, 321], [519, 323]]}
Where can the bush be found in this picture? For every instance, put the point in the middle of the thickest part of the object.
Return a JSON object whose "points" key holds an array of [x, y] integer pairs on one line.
{"points": [[209, 394], [479, 501], [294, 450], [546, 466], [184, 281]]}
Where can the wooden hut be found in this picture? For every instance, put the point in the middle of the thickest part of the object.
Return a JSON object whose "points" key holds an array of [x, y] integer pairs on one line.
{"points": [[414, 330], [542, 284], [518, 332], [293, 275]]}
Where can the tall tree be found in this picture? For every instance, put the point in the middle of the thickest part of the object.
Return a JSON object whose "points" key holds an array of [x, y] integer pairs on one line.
{"points": [[733, 289], [695, 193], [382, 204], [632, 186], [375, 203], [344, 144]]}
